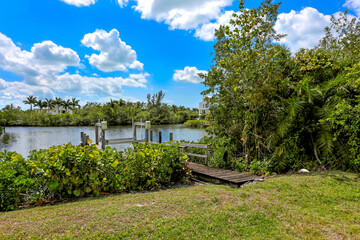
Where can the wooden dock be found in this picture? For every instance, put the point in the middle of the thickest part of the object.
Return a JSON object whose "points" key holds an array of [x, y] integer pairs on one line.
{"points": [[221, 176]]}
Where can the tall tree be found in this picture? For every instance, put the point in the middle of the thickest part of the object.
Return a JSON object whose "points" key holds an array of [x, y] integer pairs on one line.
{"points": [[66, 104], [75, 103], [41, 104], [31, 100], [58, 103], [49, 103], [249, 70]]}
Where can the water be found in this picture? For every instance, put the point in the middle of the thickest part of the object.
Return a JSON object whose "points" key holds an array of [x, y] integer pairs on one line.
{"points": [[24, 139]]}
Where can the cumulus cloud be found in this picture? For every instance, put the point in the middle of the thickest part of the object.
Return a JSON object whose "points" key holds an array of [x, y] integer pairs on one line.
{"points": [[114, 55], [141, 77], [94, 85], [304, 29], [15, 91], [354, 5], [80, 3], [189, 74], [206, 31], [181, 14], [45, 60], [43, 70]]}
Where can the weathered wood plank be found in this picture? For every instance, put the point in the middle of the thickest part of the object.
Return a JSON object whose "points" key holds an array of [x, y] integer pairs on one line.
{"points": [[196, 155], [221, 175], [122, 140], [194, 145]]}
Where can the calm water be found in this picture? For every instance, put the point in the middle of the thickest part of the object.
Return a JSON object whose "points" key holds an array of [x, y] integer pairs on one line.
{"points": [[24, 139]]}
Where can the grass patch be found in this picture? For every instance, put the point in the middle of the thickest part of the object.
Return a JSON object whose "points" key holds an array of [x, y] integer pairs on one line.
{"points": [[320, 206]]}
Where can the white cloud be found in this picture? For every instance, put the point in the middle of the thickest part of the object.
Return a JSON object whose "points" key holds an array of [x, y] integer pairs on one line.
{"points": [[207, 31], [189, 74], [141, 78], [122, 3], [80, 3], [45, 60], [16, 92], [114, 55], [94, 85], [304, 29], [43, 71], [181, 14], [353, 4]]}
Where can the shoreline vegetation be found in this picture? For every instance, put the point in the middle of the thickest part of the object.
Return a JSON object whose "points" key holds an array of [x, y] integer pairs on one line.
{"points": [[69, 172], [115, 112], [197, 123]]}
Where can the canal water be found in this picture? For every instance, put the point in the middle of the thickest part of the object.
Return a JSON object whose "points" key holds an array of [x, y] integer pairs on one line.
{"points": [[24, 139]]}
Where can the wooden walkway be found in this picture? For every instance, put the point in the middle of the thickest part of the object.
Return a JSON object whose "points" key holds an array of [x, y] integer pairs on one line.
{"points": [[221, 176]]}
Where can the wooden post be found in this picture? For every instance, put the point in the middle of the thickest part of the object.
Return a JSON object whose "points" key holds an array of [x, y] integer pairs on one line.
{"points": [[82, 139], [146, 135], [97, 134], [103, 140], [160, 137], [151, 136], [171, 136], [207, 155], [134, 129]]}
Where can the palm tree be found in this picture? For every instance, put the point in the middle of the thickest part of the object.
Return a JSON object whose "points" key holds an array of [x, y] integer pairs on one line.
{"points": [[66, 104], [41, 104], [75, 103], [58, 102], [31, 100], [49, 103]]}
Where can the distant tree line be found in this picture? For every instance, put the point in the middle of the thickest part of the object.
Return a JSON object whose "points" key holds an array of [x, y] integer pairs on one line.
{"points": [[116, 112]]}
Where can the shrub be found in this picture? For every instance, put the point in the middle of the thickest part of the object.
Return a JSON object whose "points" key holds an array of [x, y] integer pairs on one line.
{"points": [[15, 180], [69, 171]]}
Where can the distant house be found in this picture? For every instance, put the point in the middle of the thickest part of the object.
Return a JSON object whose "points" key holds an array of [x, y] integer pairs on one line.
{"points": [[204, 106], [55, 110]]}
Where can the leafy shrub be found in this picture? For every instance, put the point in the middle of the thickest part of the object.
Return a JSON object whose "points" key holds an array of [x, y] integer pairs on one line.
{"points": [[15, 180], [149, 166], [69, 171]]}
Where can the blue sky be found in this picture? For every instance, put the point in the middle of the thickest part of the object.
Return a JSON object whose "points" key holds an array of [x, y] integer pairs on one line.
{"points": [[96, 50]]}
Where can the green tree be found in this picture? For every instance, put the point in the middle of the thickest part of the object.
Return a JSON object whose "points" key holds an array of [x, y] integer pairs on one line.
{"points": [[31, 100], [41, 104], [49, 103]]}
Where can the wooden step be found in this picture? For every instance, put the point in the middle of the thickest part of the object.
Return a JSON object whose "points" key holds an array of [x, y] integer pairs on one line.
{"points": [[221, 176]]}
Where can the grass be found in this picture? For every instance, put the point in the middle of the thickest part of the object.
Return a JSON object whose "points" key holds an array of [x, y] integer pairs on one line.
{"points": [[319, 206]]}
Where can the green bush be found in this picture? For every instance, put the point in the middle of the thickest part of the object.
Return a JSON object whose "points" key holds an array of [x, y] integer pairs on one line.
{"points": [[16, 180], [69, 171]]}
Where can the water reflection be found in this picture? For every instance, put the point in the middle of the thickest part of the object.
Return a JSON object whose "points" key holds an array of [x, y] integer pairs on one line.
{"points": [[24, 139], [6, 138]]}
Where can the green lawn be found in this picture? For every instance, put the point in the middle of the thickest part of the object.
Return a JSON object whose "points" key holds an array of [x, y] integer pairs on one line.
{"points": [[319, 206]]}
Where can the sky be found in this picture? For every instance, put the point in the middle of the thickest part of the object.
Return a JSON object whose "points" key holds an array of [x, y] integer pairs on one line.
{"points": [[97, 50]]}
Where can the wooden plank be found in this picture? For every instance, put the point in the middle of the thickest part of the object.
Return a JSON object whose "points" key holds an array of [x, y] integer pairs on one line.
{"points": [[196, 155], [194, 145], [221, 175], [139, 124], [120, 140]]}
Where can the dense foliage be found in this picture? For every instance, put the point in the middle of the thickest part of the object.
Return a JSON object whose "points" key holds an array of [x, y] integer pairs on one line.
{"points": [[116, 112], [197, 123], [281, 111], [69, 171]]}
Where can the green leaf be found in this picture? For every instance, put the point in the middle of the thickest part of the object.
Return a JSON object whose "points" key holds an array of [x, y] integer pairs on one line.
{"points": [[53, 185], [77, 192]]}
